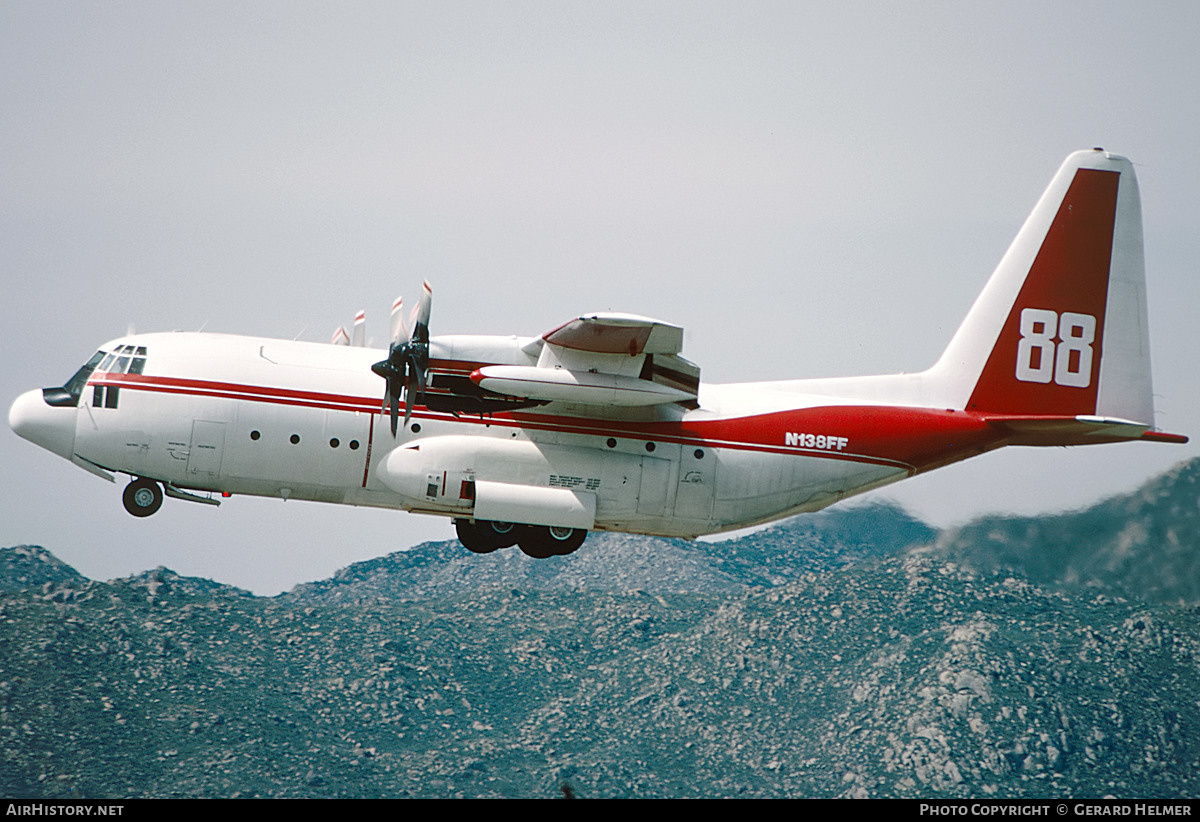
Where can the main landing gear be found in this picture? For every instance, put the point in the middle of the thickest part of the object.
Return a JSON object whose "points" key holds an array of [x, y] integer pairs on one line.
{"points": [[537, 541], [142, 497]]}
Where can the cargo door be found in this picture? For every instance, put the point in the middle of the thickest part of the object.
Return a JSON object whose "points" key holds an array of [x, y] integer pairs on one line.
{"points": [[655, 487], [697, 484], [205, 451]]}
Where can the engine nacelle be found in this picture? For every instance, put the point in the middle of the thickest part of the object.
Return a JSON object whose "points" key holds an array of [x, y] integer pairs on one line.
{"points": [[514, 480], [587, 387]]}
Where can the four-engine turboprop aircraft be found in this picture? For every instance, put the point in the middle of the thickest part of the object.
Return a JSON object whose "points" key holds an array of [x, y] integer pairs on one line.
{"points": [[600, 424]]}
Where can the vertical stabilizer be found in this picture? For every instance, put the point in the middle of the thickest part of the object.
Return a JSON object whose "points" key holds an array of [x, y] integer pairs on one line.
{"points": [[1060, 329]]}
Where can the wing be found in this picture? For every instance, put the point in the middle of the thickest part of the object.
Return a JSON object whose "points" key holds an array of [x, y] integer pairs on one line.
{"points": [[617, 334], [603, 359]]}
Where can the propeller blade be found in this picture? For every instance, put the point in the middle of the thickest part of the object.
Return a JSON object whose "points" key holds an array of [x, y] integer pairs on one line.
{"points": [[340, 337], [418, 357], [408, 396], [394, 409], [391, 391], [399, 332], [407, 361], [360, 329], [420, 315]]}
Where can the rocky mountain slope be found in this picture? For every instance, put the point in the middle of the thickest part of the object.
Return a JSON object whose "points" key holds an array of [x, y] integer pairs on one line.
{"points": [[817, 658], [621, 562], [1144, 545]]}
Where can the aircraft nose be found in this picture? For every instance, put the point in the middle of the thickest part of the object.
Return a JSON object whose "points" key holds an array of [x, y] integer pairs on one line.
{"points": [[45, 425]]}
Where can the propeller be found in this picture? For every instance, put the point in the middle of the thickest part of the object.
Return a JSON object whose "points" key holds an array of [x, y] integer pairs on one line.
{"points": [[408, 358], [342, 337], [360, 329]]}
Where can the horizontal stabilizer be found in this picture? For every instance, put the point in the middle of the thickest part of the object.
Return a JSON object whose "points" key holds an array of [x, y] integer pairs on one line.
{"points": [[1163, 436], [1046, 429]]}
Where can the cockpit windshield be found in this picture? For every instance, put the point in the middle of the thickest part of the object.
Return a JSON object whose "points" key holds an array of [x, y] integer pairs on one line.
{"points": [[68, 394], [125, 359]]}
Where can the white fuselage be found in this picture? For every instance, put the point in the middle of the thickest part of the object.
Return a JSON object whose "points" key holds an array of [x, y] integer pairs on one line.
{"points": [[275, 418]]}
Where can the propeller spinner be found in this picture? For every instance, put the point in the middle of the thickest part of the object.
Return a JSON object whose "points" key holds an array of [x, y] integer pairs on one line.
{"points": [[407, 360]]}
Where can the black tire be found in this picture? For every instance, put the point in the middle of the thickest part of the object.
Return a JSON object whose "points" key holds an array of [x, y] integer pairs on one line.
{"points": [[541, 542], [142, 497], [484, 536]]}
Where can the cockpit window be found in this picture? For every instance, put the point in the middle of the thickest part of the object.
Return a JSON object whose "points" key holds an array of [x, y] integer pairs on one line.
{"points": [[126, 359], [138, 363], [68, 395]]}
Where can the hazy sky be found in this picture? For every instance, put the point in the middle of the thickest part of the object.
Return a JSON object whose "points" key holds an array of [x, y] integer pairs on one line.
{"points": [[810, 189]]}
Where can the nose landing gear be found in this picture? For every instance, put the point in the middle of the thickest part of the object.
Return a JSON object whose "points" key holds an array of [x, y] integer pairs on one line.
{"points": [[142, 497]]}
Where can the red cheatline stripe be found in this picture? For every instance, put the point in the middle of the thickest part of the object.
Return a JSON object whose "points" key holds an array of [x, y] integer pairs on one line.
{"points": [[210, 388], [899, 437]]}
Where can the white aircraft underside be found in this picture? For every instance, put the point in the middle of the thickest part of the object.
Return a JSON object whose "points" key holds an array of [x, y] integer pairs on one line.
{"points": [[600, 424]]}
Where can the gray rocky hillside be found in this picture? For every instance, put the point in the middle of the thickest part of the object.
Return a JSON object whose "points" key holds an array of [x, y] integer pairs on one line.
{"points": [[820, 657], [621, 562], [1144, 545], [31, 566], [902, 677]]}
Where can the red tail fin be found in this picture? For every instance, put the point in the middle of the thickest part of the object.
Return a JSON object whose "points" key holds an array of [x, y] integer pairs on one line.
{"points": [[1047, 357], [1060, 329]]}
